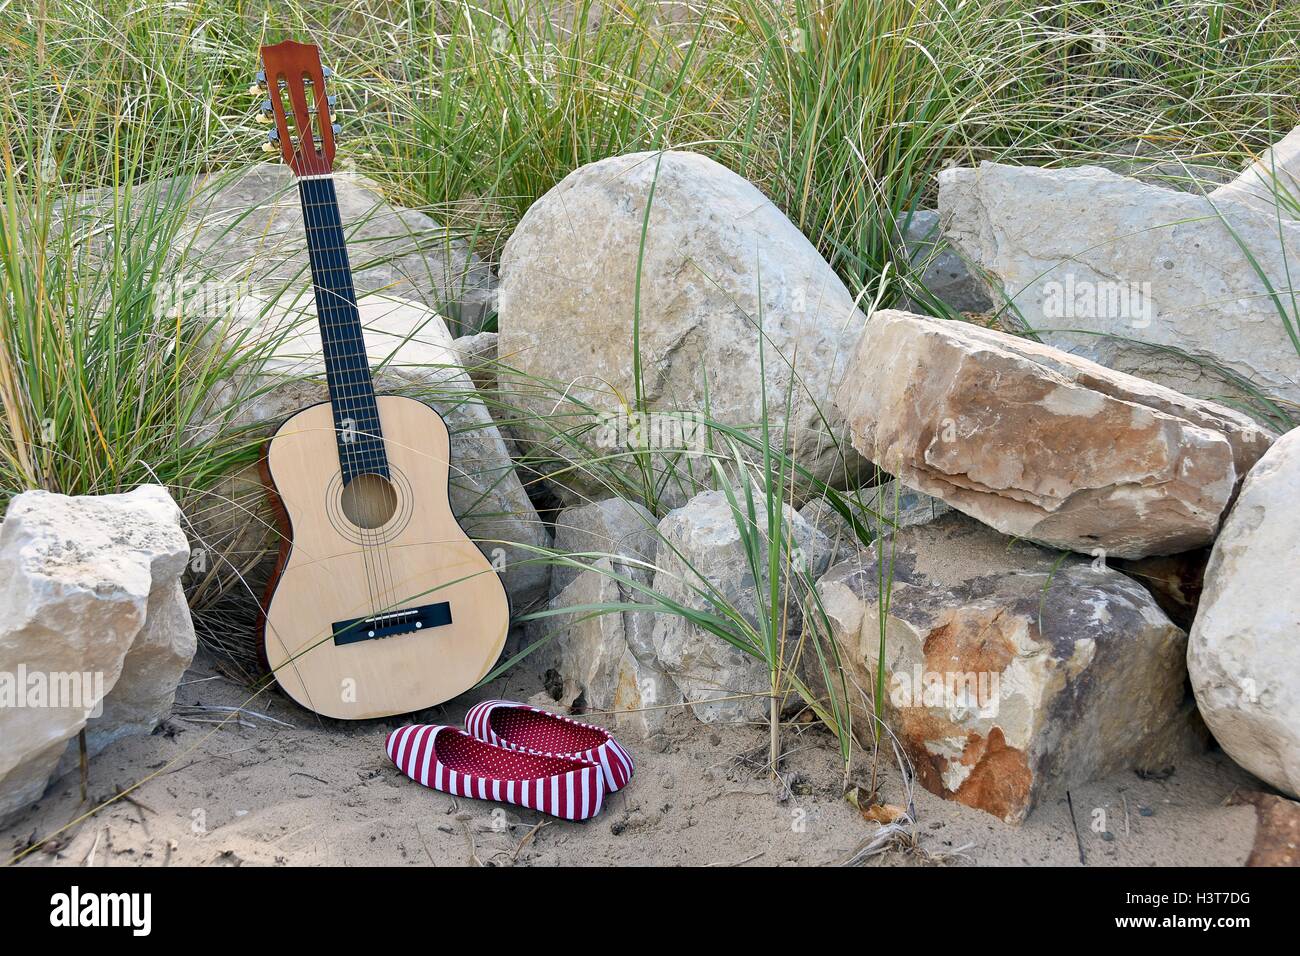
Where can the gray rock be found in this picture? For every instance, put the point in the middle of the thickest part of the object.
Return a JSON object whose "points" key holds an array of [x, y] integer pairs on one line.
{"points": [[880, 509], [1010, 674], [477, 353], [247, 226], [701, 551], [615, 526], [718, 255], [596, 657], [1142, 279], [944, 273], [92, 618], [1243, 652]]}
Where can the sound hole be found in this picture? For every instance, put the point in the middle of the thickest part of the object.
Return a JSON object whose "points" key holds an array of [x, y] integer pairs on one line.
{"points": [[369, 501]]}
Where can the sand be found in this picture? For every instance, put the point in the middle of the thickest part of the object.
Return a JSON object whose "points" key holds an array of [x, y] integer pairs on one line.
{"points": [[287, 788]]}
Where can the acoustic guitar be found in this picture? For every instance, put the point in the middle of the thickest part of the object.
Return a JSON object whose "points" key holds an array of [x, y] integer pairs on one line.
{"points": [[380, 604]]}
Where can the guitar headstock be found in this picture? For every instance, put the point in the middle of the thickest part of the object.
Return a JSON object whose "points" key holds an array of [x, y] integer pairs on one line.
{"points": [[300, 107]]}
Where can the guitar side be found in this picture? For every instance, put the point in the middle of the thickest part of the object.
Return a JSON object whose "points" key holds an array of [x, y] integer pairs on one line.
{"points": [[418, 563]]}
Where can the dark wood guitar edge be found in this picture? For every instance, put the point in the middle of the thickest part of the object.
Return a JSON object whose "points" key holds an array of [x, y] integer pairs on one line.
{"points": [[285, 527]]}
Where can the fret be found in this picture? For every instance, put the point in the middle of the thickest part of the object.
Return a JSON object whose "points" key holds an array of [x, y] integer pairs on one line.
{"points": [[347, 366]]}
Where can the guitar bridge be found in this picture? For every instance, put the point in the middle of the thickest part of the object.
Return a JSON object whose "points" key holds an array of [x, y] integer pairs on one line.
{"points": [[392, 623]]}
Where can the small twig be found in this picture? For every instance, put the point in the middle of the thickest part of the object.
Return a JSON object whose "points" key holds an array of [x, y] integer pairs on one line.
{"points": [[299, 773], [85, 763], [420, 833], [527, 837], [1075, 824], [90, 857]]}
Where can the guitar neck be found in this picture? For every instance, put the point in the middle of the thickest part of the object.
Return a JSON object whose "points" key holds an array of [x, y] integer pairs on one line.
{"points": [[347, 366]]}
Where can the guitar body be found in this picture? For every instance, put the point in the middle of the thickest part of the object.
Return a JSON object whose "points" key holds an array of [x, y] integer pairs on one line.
{"points": [[407, 573]]}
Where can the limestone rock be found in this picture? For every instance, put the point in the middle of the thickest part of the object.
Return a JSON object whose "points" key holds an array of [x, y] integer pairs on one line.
{"points": [[1134, 275], [614, 526], [1009, 675], [410, 349], [596, 657], [477, 354], [1041, 444], [701, 550], [880, 509], [1276, 174], [718, 259], [1243, 653], [94, 629], [246, 227], [944, 273]]}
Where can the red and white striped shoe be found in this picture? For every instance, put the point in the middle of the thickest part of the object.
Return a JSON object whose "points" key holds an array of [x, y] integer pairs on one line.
{"points": [[450, 760], [528, 729]]}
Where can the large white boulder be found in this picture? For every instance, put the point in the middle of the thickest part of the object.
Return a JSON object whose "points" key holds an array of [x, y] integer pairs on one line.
{"points": [[94, 629], [411, 352], [1244, 648], [719, 262], [1042, 444], [1162, 284]]}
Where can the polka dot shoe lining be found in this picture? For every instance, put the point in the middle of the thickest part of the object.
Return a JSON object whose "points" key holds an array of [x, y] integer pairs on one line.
{"points": [[522, 727]]}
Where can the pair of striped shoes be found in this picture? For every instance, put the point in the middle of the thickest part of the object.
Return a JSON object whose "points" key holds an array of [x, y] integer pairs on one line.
{"points": [[515, 753]]}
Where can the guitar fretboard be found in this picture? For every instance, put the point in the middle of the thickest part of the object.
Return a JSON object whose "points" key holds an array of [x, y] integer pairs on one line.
{"points": [[347, 367]]}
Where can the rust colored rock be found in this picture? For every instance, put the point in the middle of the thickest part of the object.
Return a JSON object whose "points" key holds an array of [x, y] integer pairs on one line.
{"points": [[1041, 444], [1010, 673], [1277, 829]]}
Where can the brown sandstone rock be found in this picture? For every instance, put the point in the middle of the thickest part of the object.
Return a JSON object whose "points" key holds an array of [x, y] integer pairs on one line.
{"points": [[1042, 444]]}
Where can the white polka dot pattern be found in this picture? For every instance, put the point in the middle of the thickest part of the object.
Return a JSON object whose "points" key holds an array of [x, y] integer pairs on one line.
{"points": [[517, 726], [452, 761]]}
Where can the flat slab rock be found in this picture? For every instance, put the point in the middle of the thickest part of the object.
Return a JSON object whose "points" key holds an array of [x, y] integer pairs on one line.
{"points": [[1183, 289], [1042, 444], [1010, 675]]}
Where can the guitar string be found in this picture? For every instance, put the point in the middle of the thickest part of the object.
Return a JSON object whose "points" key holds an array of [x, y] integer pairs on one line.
{"points": [[364, 383], [338, 374], [338, 270], [335, 372], [357, 395]]}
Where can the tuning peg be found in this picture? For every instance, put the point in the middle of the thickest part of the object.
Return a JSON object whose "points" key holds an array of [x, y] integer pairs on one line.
{"points": [[326, 72], [335, 128], [266, 106], [261, 77]]}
